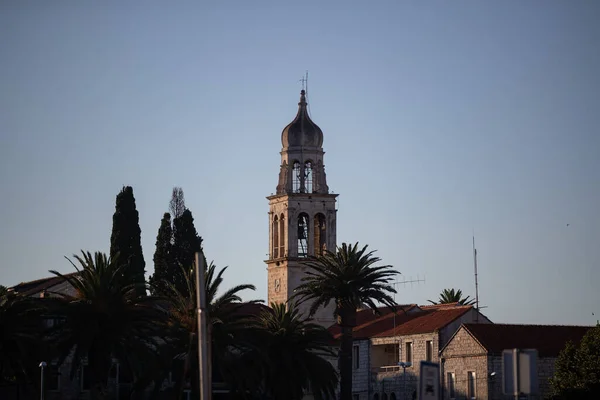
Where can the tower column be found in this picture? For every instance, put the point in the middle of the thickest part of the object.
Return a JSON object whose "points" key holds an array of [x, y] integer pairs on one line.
{"points": [[300, 192]]}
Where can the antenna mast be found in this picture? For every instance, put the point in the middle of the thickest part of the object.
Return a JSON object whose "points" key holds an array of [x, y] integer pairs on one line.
{"points": [[476, 284], [396, 284]]}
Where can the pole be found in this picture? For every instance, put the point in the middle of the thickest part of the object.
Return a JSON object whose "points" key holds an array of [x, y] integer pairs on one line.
{"points": [[404, 381], [476, 284], [42, 367], [203, 354], [516, 373]]}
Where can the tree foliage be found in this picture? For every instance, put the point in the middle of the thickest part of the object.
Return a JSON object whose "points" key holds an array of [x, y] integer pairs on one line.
{"points": [[350, 278], [105, 317], [125, 240], [226, 323], [289, 356], [186, 242], [165, 268], [21, 347], [453, 296], [577, 374], [177, 203]]}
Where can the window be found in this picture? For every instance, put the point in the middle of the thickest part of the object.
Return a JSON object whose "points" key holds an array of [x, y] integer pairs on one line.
{"points": [[450, 380], [376, 396], [393, 396], [320, 236], [282, 236], [471, 385], [428, 350], [384, 396], [296, 177], [408, 356], [355, 357], [275, 237], [53, 377], [303, 235], [355, 397], [308, 177], [85, 378]]}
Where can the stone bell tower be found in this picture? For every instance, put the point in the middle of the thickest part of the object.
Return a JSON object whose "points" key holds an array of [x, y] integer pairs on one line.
{"points": [[302, 212]]}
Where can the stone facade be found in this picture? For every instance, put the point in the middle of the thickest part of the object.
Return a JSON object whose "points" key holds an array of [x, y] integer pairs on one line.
{"points": [[378, 375], [302, 213], [464, 353]]}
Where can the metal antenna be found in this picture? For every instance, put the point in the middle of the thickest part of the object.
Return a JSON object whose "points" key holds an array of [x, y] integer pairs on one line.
{"points": [[396, 284], [476, 283]]}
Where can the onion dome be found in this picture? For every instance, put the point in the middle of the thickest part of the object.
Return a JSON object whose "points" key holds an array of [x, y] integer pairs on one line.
{"points": [[302, 131]]}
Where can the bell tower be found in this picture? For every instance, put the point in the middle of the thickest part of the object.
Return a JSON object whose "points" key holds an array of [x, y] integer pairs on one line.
{"points": [[302, 212]]}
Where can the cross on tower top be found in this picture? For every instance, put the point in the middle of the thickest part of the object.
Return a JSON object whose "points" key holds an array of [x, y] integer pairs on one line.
{"points": [[304, 81]]}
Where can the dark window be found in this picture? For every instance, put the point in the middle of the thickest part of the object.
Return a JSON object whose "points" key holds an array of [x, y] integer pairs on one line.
{"points": [[450, 384], [355, 357], [275, 237], [53, 377], [408, 356], [85, 378], [320, 234], [471, 385], [393, 396], [281, 235], [303, 235], [429, 350], [296, 177]]}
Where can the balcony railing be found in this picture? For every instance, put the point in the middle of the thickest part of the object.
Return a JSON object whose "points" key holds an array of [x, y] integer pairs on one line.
{"points": [[386, 371]]}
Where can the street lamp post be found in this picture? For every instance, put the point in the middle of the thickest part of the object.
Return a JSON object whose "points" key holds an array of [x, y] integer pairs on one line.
{"points": [[404, 365], [42, 367]]}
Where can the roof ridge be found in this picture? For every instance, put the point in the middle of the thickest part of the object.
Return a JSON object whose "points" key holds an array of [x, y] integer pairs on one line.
{"points": [[533, 325]]}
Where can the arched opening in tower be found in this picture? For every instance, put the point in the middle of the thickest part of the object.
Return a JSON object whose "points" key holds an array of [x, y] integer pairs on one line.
{"points": [[320, 234], [275, 237], [296, 177], [308, 177], [282, 236], [303, 235]]}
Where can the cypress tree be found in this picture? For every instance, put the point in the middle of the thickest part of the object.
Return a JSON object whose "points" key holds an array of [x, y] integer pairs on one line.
{"points": [[186, 243], [125, 239], [164, 264], [177, 203]]}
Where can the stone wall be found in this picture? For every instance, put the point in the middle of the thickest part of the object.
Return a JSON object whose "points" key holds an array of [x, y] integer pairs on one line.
{"points": [[360, 375], [392, 379], [462, 355]]}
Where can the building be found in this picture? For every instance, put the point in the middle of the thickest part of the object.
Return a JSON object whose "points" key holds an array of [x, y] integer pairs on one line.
{"points": [[471, 362], [412, 334], [302, 212]]}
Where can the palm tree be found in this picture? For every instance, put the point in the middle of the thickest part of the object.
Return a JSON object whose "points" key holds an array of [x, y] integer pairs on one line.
{"points": [[289, 356], [225, 319], [103, 319], [451, 296], [21, 329], [350, 278]]}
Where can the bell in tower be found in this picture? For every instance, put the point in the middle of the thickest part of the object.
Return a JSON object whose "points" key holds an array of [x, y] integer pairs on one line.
{"points": [[302, 212]]}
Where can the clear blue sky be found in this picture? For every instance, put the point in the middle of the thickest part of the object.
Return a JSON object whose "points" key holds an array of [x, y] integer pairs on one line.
{"points": [[439, 119]]}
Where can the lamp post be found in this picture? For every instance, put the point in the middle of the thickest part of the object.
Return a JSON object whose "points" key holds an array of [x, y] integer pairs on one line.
{"points": [[42, 367], [491, 376], [404, 365]]}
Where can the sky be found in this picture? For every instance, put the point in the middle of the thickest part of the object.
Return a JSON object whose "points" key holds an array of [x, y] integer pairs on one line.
{"points": [[441, 120]]}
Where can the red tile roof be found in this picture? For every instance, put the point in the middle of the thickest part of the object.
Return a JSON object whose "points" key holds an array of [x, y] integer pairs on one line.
{"points": [[549, 340], [421, 319]]}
